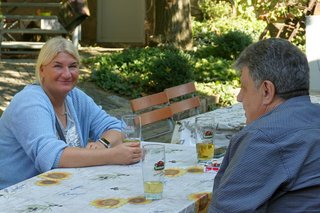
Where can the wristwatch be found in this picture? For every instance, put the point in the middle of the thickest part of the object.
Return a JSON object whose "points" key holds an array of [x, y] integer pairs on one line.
{"points": [[105, 142]]}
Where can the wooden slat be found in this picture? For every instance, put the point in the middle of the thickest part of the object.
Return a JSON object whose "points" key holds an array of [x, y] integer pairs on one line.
{"points": [[148, 101], [21, 45], [184, 105], [155, 116], [19, 52], [34, 31], [180, 90], [28, 4], [29, 17]]}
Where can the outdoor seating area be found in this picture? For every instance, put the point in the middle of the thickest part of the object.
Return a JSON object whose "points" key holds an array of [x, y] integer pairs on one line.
{"points": [[186, 106], [160, 111]]}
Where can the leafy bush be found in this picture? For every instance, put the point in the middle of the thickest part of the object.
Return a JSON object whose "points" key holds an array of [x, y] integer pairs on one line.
{"points": [[173, 67], [227, 92], [138, 71], [214, 69], [231, 44], [220, 19], [227, 46], [215, 9]]}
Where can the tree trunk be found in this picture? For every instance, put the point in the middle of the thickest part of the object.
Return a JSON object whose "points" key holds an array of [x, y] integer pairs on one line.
{"points": [[172, 22]]}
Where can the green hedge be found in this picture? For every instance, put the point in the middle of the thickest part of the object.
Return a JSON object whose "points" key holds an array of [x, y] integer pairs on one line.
{"points": [[138, 71]]}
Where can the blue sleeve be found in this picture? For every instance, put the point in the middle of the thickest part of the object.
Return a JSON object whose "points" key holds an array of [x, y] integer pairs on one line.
{"points": [[250, 174], [32, 124]]}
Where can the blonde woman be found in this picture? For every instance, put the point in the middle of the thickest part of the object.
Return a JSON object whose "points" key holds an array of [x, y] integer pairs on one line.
{"points": [[48, 124]]}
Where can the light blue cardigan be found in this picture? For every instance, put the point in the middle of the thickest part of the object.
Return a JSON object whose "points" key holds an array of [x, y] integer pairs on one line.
{"points": [[28, 140]]}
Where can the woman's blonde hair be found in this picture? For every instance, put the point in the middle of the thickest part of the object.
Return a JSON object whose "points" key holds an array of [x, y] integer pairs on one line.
{"points": [[51, 49]]}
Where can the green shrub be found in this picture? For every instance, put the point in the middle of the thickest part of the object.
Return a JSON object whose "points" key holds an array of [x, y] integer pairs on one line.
{"points": [[172, 68], [227, 46], [123, 73], [215, 9], [227, 92], [138, 71], [231, 44], [214, 69]]}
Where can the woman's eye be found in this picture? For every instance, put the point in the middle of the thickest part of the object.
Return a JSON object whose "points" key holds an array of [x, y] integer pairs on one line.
{"points": [[57, 66]]}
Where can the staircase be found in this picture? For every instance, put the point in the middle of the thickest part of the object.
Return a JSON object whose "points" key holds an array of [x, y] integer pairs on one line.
{"points": [[26, 25], [289, 28]]}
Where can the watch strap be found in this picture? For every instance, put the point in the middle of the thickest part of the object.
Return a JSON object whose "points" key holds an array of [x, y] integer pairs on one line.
{"points": [[105, 142]]}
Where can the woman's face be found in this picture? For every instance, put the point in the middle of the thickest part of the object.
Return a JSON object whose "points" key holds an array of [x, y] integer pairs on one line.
{"points": [[60, 76]]}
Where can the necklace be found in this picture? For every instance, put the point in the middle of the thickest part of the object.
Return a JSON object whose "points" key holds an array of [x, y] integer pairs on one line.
{"points": [[61, 114]]}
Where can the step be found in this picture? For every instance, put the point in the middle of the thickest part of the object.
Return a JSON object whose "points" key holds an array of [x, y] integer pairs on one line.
{"points": [[20, 52], [29, 4], [21, 45], [29, 17], [34, 31]]}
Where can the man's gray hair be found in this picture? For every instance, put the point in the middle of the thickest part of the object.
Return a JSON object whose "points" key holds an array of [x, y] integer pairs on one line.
{"points": [[280, 62]]}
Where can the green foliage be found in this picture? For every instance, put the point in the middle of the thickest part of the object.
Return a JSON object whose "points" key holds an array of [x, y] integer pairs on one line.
{"points": [[214, 69], [138, 71], [249, 27], [227, 46], [172, 68], [219, 21], [278, 11], [124, 72], [272, 10], [226, 92], [213, 10], [231, 44]]}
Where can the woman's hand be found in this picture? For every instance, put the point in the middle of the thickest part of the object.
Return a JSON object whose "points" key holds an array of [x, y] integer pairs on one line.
{"points": [[127, 153], [97, 154]]}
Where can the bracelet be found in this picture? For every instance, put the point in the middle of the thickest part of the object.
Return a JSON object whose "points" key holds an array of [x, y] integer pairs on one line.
{"points": [[105, 142]]}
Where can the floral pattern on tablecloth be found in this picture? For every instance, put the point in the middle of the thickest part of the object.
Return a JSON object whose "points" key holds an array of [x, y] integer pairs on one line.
{"points": [[114, 188], [229, 121]]}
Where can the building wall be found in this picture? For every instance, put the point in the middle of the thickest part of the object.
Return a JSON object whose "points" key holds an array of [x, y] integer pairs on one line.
{"points": [[121, 21], [115, 23], [89, 26]]}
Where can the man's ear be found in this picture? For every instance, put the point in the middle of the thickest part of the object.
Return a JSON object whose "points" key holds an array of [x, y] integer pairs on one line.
{"points": [[268, 91]]}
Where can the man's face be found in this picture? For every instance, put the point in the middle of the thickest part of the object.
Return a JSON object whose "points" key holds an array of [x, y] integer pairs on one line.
{"points": [[250, 97]]}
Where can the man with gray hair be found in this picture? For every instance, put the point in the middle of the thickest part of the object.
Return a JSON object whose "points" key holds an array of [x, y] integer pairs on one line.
{"points": [[273, 164]]}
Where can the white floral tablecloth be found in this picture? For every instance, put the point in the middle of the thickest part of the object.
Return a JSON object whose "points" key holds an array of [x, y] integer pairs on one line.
{"points": [[229, 121], [113, 188]]}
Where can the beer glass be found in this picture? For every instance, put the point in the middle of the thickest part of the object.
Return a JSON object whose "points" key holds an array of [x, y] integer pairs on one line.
{"points": [[203, 135], [131, 128], [153, 164]]}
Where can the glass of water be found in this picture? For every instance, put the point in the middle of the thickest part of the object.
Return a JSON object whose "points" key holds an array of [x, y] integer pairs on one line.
{"points": [[131, 128]]}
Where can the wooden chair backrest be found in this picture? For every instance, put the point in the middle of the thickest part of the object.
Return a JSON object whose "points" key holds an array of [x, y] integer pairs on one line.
{"points": [[180, 91], [184, 105], [152, 108]]}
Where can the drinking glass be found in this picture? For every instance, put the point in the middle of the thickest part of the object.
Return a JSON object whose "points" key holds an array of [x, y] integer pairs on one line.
{"points": [[153, 163], [203, 135], [131, 128]]}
